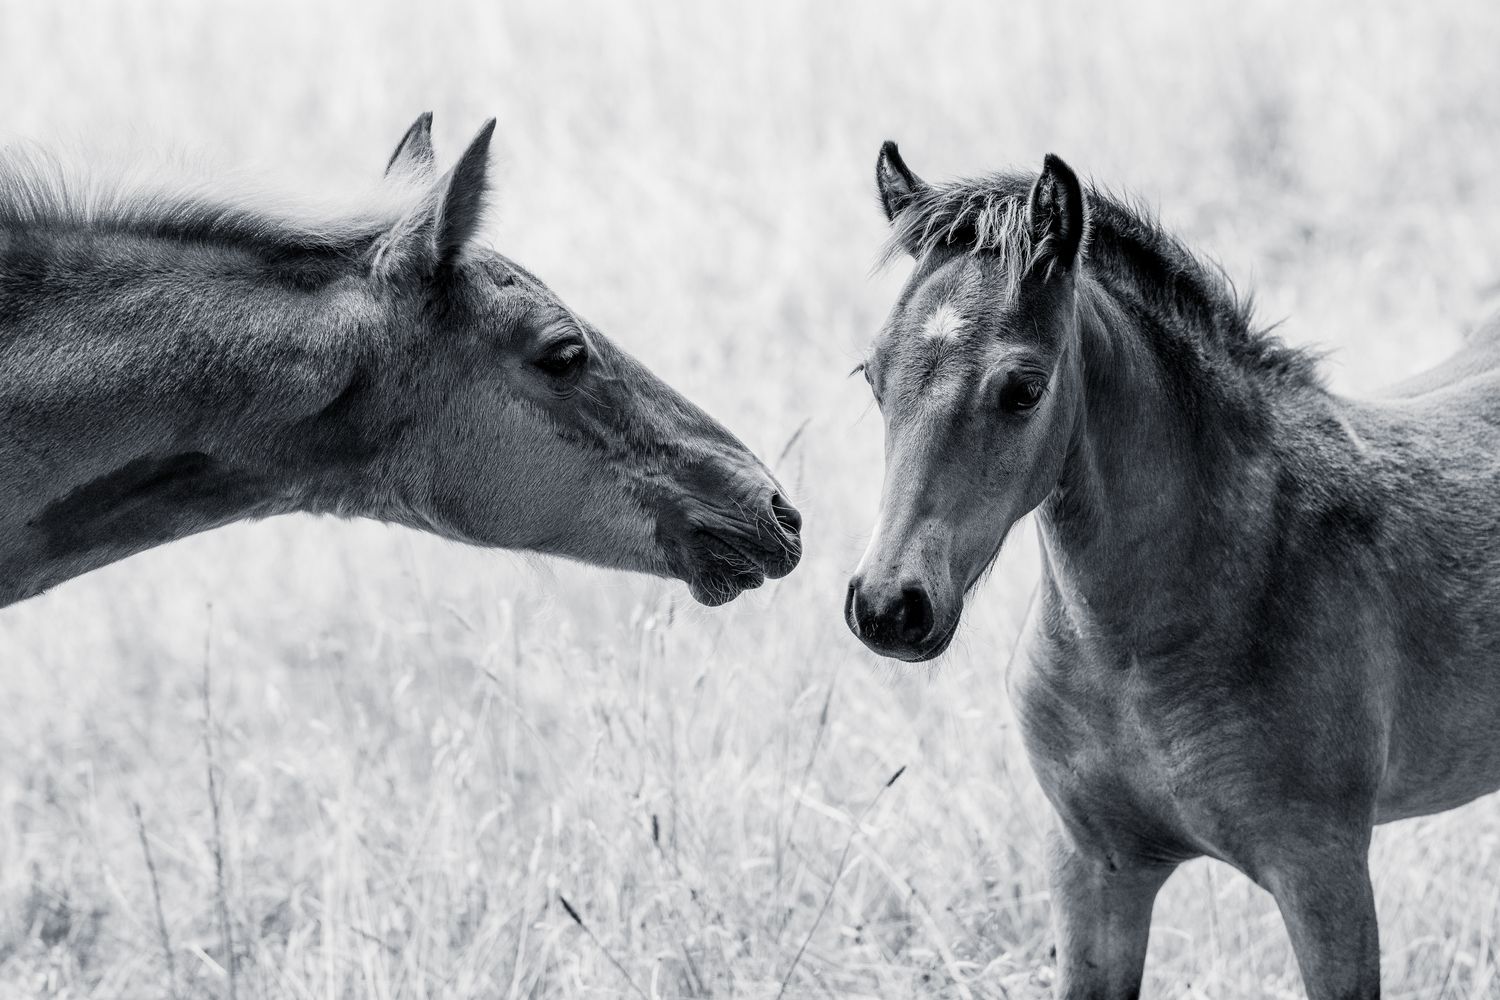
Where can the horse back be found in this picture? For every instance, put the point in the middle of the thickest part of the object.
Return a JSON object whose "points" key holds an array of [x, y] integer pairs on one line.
{"points": [[1477, 358], [1426, 466]]}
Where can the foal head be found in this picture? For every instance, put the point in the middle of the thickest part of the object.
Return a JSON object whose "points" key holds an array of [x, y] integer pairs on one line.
{"points": [[528, 429], [977, 376]]}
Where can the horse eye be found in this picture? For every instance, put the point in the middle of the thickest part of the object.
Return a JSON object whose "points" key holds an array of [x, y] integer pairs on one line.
{"points": [[564, 360], [1021, 395]]}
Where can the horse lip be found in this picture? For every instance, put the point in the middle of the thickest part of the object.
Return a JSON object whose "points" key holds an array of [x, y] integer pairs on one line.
{"points": [[918, 654], [718, 567], [738, 550], [938, 648]]}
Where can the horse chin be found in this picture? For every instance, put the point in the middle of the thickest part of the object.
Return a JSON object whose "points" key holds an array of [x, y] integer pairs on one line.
{"points": [[712, 591], [717, 569]]}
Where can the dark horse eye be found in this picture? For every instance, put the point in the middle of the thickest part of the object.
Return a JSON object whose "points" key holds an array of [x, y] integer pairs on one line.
{"points": [[1021, 394], [563, 360]]}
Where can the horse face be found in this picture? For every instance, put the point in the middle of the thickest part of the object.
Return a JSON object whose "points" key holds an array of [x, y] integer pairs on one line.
{"points": [[534, 432], [977, 376]]}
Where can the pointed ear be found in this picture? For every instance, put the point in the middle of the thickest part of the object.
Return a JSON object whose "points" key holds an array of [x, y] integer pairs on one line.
{"points": [[413, 153], [431, 237], [898, 186], [461, 207], [1056, 214]]}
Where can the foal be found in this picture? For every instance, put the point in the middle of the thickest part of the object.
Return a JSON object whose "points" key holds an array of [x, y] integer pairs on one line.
{"points": [[170, 363], [1266, 619]]}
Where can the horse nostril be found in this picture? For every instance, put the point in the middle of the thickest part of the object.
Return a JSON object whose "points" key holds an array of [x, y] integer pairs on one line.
{"points": [[851, 610], [915, 622], [786, 515]]}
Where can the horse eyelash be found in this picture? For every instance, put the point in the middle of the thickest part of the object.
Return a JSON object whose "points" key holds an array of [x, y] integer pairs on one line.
{"points": [[856, 370]]}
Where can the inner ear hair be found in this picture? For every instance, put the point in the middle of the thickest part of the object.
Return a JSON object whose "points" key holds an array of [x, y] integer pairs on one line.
{"points": [[1056, 211], [897, 185], [460, 208], [414, 153]]}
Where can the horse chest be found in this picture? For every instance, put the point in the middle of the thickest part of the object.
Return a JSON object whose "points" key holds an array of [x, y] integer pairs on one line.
{"points": [[1115, 757]]}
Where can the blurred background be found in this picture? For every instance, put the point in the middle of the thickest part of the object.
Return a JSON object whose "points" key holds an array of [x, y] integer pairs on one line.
{"points": [[418, 749]]}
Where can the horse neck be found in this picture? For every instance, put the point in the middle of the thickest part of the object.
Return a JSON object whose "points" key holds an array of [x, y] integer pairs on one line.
{"points": [[173, 389], [1162, 486]]}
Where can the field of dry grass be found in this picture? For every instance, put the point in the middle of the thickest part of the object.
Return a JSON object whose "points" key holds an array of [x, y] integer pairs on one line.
{"points": [[419, 750]]}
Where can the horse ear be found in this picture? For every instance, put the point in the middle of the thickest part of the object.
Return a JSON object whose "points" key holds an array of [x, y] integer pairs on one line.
{"points": [[1055, 213], [461, 205], [898, 186], [414, 155], [431, 237]]}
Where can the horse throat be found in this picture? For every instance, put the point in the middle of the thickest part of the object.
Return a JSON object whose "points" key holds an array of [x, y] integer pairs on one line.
{"points": [[143, 503], [1157, 496]]}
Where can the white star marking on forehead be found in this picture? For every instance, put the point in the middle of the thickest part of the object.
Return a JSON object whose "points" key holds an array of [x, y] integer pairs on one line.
{"points": [[944, 323]]}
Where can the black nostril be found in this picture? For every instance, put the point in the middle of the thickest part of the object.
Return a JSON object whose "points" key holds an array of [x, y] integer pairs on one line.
{"points": [[916, 615], [786, 515]]}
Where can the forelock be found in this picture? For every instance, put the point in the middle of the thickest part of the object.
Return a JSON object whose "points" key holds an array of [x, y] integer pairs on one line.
{"points": [[979, 216]]}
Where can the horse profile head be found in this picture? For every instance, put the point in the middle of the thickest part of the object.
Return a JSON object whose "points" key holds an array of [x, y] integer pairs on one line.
{"points": [[977, 376], [523, 426]]}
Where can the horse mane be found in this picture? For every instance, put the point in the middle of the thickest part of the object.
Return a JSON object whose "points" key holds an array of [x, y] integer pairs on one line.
{"points": [[1125, 248], [168, 200]]}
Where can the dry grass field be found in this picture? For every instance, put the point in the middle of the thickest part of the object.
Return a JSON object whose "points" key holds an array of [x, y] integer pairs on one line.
{"points": [[419, 751]]}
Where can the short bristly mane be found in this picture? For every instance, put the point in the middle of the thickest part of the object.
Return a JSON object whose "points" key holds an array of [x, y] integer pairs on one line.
{"points": [[1126, 249], [42, 190]]}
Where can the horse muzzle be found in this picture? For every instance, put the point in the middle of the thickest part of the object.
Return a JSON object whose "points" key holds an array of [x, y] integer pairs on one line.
{"points": [[723, 553], [902, 622]]}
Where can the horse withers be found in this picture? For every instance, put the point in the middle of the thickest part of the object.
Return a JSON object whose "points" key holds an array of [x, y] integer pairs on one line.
{"points": [[1267, 613], [175, 360]]}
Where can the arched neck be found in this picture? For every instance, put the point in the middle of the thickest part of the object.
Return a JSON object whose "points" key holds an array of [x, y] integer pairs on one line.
{"points": [[1160, 479]]}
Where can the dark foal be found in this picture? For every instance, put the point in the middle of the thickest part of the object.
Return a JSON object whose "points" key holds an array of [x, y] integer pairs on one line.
{"points": [[172, 360], [1267, 613]]}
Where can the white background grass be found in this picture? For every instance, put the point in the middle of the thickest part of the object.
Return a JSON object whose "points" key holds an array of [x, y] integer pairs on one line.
{"points": [[421, 746]]}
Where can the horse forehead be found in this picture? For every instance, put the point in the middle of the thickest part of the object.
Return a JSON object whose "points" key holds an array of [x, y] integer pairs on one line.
{"points": [[936, 365], [945, 323], [948, 298]]}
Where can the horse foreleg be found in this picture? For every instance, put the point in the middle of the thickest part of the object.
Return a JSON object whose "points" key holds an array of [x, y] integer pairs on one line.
{"points": [[1329, 908], [1101, 915]]}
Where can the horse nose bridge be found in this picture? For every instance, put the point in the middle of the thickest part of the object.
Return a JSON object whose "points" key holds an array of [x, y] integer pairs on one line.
{"points": [[908, 549], [898, 528], [712, 451], [755, 489], [704, 434]]}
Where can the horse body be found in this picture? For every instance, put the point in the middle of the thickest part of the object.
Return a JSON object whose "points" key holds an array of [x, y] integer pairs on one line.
{"points": [[172, 363], [1442, 574], [1266, 615], [1341, 604], [1346, 674]]}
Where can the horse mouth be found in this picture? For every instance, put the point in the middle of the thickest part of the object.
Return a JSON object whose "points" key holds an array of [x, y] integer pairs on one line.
{"points": [[883, 642], [720, 568], [929, 650], [712, 591]]}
